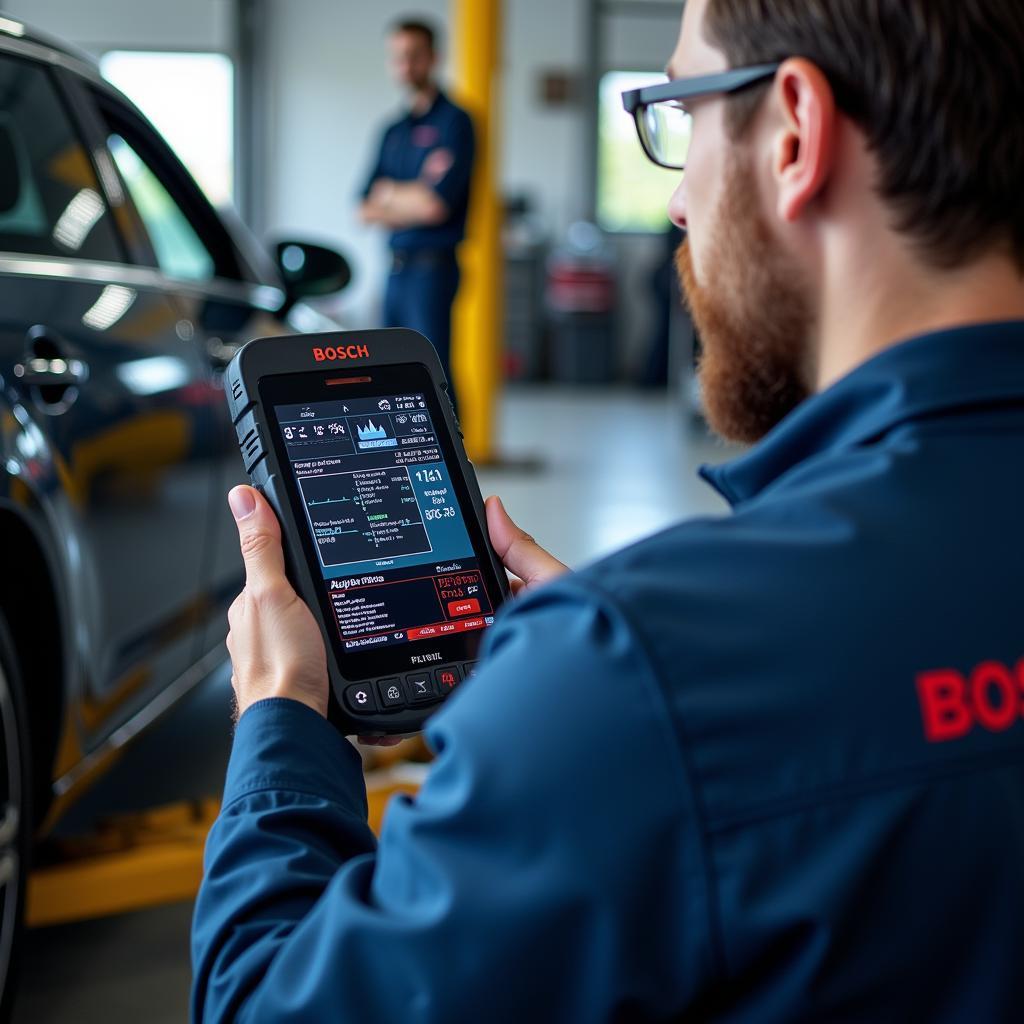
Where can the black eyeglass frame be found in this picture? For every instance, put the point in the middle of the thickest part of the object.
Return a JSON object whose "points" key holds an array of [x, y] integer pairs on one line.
{"points": [[636, 101]]}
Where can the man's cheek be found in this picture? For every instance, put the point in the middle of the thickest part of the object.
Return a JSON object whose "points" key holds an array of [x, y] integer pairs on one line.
{"points": [[699, 209], [693, 260]]}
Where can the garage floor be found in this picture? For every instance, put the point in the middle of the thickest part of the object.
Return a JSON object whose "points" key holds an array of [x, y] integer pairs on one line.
{"points": [[587, 472]]}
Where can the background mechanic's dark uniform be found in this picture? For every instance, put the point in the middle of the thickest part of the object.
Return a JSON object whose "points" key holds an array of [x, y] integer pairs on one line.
{"points": [[761, 768], [424, 273]]}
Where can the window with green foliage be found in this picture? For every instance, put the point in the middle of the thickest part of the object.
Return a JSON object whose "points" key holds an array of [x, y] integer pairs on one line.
{"points": [[632, 193]]}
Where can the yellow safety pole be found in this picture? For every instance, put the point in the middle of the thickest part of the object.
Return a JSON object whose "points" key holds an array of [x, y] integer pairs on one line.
{"points": [[477, 315]]}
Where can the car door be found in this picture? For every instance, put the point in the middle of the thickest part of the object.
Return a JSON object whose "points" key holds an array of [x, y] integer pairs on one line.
{"points": [[225, 302], [104, 369]]}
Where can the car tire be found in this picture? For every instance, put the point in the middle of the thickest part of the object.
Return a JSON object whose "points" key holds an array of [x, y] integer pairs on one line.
{"points": [[15, 817]]}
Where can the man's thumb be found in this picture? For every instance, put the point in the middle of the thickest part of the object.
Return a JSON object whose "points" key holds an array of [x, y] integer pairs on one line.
{"points": [[259, 536]]}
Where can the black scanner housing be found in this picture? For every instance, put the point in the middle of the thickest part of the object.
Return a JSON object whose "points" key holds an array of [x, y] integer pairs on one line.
{"points": [[264, 357]]}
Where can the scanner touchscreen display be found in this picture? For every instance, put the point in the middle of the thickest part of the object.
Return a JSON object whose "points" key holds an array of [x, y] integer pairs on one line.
{"points": [[379, 503]]}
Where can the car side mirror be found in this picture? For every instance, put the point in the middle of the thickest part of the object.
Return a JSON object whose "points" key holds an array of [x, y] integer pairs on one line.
{"points": [[310, 270]]}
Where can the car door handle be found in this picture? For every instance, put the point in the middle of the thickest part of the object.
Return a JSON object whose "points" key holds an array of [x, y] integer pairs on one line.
{"points": [[52, 377], [54, 373]]}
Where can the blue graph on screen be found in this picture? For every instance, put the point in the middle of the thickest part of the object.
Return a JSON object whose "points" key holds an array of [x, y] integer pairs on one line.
{"points": [[370, 432]]}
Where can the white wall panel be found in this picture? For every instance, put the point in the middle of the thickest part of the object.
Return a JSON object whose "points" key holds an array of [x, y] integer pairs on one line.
{"points": [[544, 149], [98, 25]]}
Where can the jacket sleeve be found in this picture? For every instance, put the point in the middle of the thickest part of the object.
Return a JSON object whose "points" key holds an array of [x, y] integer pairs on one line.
{"points": [[549, 868], [460, 140]]}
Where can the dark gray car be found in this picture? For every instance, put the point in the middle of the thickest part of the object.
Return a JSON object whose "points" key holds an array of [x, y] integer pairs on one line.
{"points": [[123, 293]]}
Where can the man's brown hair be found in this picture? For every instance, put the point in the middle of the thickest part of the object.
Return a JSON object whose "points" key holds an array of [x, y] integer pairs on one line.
{"points": [[937, 86], [420, 27]]}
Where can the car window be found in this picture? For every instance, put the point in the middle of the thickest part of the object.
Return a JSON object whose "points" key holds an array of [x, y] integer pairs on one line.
{"points": [[179, 250], [50, 201]]}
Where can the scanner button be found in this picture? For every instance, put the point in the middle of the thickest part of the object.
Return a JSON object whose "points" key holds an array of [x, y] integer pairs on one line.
{"points": [[466, 607], [447, 679], [359, 699], [419, 687], [390, 691], [468, 669]]}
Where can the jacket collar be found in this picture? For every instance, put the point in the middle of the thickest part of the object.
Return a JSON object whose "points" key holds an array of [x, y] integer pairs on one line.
{"points": [[965, 366]]}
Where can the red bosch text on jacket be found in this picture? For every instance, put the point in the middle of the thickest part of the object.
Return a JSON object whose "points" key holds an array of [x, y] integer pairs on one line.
{"points": [[953, 703]]}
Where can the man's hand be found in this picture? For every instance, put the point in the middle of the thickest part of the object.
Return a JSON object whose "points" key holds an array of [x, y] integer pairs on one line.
{"points": [[275, 644], [368, 213], [527, 562]]}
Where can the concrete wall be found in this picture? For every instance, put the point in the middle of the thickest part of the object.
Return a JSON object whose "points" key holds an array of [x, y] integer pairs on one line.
{"points": [[544, 149], [640, 40]]}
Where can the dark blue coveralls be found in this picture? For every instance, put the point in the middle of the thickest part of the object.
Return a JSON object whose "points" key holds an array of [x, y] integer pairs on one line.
{"points": [[762, 768], [437, 148]]}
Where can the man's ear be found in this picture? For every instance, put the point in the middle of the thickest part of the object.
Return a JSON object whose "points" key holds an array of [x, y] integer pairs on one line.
{"points": [[803, 152]]}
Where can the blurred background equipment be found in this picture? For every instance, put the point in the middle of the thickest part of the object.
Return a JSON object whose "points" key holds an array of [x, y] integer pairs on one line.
{"points": [[525, 331], [582, 308]]}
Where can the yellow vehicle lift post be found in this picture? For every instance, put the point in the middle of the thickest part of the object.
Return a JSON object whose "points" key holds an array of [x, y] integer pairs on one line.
{"points": [[477, 316]]}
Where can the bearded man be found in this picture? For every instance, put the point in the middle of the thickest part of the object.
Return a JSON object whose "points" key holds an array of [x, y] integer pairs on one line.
{"points": [[768, 767]]}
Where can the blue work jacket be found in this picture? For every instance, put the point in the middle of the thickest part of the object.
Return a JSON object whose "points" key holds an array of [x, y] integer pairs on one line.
{"points": [[768, 767]]}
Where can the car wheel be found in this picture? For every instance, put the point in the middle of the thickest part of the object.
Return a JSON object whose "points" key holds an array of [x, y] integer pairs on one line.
{"points": [[15, 818]]}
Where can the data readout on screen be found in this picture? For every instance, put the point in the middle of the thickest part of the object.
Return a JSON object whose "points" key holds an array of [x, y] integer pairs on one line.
{"points": [[380, 506]]}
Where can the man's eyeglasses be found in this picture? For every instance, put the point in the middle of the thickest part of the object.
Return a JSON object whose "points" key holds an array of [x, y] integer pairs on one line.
{"points": [[662, 119]]}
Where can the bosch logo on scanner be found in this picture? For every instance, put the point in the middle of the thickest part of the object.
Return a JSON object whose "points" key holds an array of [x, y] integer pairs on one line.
{"points": [[331, 353]]}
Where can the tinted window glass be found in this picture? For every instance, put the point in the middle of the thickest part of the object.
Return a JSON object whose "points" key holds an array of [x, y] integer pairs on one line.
{"points": [[179, 250], [50, 201]]}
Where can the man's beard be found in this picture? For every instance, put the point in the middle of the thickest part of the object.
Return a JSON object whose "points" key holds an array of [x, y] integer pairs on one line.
{"points": [[753, 316]]}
